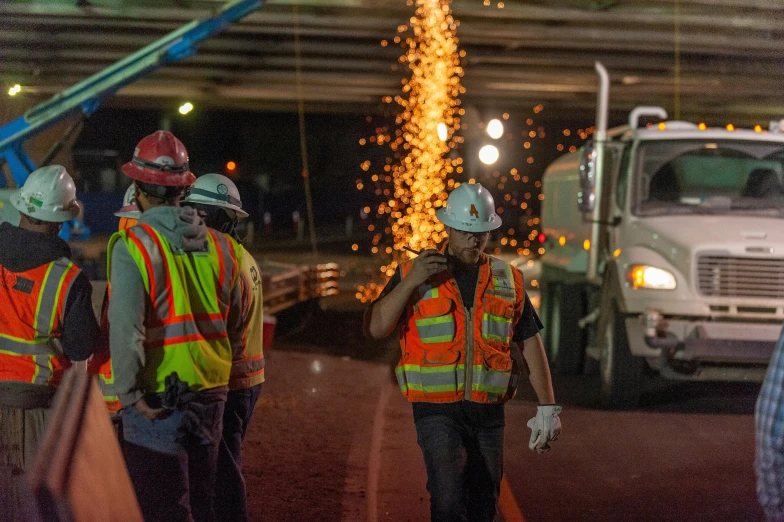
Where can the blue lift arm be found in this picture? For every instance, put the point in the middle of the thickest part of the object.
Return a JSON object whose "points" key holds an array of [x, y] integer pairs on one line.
{"points": [[85, 97]]}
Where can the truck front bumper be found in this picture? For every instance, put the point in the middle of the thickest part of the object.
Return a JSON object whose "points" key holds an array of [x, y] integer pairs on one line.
{"points": [[700, 348]]}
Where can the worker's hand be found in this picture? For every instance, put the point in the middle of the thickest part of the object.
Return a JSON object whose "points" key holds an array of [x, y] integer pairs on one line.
{"points": [[427, 263], [545, 427], [142, 408]]}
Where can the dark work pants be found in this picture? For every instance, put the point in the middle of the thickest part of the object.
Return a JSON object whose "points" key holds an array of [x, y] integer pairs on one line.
{"points": [[465, 464], [172, 461], [230, 491]]}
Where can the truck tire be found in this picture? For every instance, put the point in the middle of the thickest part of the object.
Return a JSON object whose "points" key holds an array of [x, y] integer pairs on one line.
{"points": [[621, 372], [565, 339]]}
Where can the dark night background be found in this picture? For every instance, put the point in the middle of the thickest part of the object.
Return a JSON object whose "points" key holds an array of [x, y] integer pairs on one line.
{"points": [[265, 147]]}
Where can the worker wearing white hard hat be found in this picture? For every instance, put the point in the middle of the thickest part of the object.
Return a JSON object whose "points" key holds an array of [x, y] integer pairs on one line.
{"points": [[129, 213], [100, 363], [47, 320], [218, 200], [460, 315]]}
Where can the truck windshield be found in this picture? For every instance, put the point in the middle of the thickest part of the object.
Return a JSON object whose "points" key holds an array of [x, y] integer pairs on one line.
{"points": [[709, 177]]}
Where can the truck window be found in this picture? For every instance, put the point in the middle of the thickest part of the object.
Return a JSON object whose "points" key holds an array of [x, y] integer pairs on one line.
{"points": [[709, 177], [622, 182]]}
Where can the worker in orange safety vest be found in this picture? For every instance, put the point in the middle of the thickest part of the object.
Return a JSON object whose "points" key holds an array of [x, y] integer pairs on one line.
{"points": [[460, 315], [46, 318], [100, 363]]}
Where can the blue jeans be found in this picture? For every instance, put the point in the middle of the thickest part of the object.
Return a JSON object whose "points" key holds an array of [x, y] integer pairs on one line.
{"points": [[172, 461], [464, 458], [230, 492]]}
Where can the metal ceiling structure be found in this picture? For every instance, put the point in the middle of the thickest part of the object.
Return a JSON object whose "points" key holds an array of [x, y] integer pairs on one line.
{"points": [[528, 52]]}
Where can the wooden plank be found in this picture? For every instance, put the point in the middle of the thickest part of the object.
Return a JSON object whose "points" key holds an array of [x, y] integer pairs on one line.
{"points": [[79, 473]]}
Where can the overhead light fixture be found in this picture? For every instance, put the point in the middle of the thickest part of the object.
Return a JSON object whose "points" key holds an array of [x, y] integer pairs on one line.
{"points": [[16, 89], [185, 108], [495, 129], [488, 154]]}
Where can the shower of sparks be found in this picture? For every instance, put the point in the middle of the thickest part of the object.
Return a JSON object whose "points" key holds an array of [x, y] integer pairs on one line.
{"points": [[427, 121]]}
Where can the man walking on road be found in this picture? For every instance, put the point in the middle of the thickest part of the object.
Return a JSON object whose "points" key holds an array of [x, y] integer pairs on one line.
{"points": [[46, 319], [460, 315], [218, 199], [175, 321]]}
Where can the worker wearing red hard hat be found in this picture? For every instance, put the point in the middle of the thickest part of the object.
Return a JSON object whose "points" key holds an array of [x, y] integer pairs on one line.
{"points": [[175, 321]]}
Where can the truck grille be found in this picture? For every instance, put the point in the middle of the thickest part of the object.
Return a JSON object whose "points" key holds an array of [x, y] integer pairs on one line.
{"points": [[723, 276]]}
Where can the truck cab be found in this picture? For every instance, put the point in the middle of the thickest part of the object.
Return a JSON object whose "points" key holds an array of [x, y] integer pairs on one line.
{"points": [[665, 251]]}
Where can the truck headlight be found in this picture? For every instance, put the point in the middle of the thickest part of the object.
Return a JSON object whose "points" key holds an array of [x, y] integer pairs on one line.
{"points": [[644, 276]]}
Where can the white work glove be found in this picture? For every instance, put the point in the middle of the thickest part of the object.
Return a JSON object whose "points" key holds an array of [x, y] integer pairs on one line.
{"points": [[545, 427]]}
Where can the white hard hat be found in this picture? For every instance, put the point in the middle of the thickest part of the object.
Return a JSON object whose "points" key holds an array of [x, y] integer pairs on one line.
{"points": [[216, 190], [129, 208], [470, 208], [49, 194]]}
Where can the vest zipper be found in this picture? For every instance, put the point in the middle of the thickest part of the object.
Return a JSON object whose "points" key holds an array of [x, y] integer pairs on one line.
{"points": [[469, 371], [469, 362]]}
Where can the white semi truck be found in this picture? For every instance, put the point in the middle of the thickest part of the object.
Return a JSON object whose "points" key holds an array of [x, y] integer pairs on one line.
{"points": [[664, 251]]}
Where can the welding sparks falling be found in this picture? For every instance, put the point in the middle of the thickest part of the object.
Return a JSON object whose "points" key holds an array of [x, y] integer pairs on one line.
{"points": [[427, 122], [429, 115]]}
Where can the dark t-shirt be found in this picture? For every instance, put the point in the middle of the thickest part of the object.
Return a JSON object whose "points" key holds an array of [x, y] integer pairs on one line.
{"points": [[473, 413]]}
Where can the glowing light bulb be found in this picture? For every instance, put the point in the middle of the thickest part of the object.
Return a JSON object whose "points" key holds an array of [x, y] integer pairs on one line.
{"points": [[495, 129], [488, 154]]}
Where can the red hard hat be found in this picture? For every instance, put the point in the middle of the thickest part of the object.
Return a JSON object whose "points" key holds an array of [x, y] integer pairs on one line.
{"points": [[160, 159]]}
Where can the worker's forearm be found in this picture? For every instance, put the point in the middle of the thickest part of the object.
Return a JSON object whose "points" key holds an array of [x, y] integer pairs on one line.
{"points": [[383, 316], [536, 359]]}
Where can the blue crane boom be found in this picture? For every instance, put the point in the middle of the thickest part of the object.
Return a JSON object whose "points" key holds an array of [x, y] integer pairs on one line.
{"points": [[86, 96]]}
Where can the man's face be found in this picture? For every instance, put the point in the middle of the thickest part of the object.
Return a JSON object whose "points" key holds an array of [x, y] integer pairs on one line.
{"points": [[467, 246]]}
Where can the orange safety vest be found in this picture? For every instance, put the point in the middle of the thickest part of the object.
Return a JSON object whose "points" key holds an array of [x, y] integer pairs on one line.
{"points": [[33, 305], [451, 352], [100, 363]]}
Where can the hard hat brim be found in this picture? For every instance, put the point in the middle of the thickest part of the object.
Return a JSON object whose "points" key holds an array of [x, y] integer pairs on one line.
{"points": [[241, 214], [158, 177], [51, 216], [468, 226], [129, 211]]}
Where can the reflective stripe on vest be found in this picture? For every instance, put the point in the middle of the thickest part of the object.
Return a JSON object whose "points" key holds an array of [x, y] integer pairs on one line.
{"points": [[497, 327], [430, 379], [190, 294], [29, 349]]}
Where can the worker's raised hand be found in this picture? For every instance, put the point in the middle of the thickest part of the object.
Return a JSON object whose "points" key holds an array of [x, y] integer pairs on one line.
{"points": [[545, 427], [142, 408], [426, 264]]}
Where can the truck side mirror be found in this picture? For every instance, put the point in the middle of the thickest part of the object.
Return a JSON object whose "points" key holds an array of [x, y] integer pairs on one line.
{"points": [[586, 197]]}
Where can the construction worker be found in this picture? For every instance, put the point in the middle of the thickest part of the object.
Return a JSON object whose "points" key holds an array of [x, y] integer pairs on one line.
{"points": [[46, 316], [218, 200], [100, 363], [175, 321], [460, 315]]}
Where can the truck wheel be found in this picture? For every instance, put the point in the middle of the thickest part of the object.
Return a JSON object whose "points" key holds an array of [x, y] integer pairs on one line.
{"points": [[621, 372], [564, 339]]}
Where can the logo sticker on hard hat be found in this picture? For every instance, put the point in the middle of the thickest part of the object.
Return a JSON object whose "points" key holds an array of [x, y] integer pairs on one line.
{"points": [[474, 212], [164, 160], [223, 189]]}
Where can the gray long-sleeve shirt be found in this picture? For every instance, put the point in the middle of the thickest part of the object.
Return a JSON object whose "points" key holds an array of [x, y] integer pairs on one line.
{"points": [[184, 230]]}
